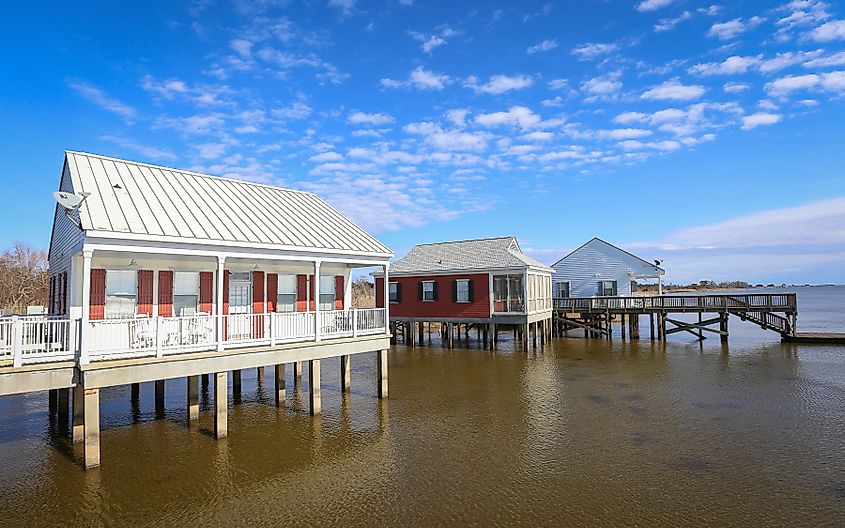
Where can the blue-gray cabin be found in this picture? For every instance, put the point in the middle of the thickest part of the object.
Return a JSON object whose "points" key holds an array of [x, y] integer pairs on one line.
{"points": [[601, 269]]}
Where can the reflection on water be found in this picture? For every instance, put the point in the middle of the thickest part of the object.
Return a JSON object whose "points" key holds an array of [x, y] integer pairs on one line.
{"points": [[583, 432]]}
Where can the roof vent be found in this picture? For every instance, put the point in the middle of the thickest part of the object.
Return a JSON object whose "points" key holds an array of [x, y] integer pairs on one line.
{"points": [[117, 186]]}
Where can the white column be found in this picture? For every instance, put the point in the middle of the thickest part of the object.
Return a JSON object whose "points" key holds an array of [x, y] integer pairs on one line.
{"points": [[155, 293], [86, 307], [317, 301], [660, 285], [218, 307], [347, 290], [386, 297], [490, 292]]}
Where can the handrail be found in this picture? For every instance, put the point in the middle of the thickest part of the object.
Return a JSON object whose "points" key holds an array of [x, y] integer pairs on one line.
{"points": [[780, 302]]}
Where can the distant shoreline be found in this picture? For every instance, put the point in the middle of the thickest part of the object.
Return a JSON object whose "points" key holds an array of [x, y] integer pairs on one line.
{"points": [[669, 289]]}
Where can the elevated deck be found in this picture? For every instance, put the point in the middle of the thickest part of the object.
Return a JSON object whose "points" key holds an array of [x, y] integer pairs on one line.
{"points": [[770, 311], [830, 338]]}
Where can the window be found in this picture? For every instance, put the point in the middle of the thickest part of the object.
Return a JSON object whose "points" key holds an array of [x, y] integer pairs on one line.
{"points": [[561, 289], [240, 292], [508, 293], [287, 294], [121, 291], [186, 293], [607, 288], [462, 291], [428, 291], [393, 292], [327, 293]]}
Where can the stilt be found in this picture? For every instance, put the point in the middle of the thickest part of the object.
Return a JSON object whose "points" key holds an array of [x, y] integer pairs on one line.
{"points": [[723, 327], [450, 330], [236, 385], [78, 416], [651, 325], [159, 397], [346, 370], [221, 405], [622, 325], [314, 398], [193, 398], [279, 380], [420, 332], [91, 425], [494, 338], [297, 370], [259, 375], [135, 392], [53, 401], [64, 405], [700, 331], [485, 334], [382, 373]]}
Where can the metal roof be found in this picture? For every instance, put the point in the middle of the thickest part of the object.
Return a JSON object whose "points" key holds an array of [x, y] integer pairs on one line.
{"points": [[593, 240], [142, 199], [466, 255]]}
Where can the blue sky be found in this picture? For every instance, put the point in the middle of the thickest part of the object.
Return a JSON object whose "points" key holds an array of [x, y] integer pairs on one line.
{"points": [[708, 135]]}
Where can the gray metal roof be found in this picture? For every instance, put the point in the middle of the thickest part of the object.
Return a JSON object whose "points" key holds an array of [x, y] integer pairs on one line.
{"points": [[142, 199], [466, 255]]}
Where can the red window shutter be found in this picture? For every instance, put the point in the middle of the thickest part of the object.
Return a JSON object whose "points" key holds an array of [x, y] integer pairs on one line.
{"points": [[51, 296], [338, 292], [301, 288], [272, 291], [225, 292], [97, 304], [145, 292], [165, 293], [313, 301], [257, 292], [63, 297], [207, 292]]}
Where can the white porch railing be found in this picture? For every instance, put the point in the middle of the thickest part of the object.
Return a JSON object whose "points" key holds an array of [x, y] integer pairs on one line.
{"points": [[40, 339]]}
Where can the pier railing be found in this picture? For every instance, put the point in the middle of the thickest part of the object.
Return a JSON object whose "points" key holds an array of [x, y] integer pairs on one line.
{"points": [[40, 339], [758, 302]]}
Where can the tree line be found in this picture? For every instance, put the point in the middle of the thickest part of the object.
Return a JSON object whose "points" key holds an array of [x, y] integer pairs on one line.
{"points": [[23, 278]]}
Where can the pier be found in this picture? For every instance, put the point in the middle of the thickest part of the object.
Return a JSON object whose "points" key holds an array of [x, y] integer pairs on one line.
{"points": [[777, 312]]}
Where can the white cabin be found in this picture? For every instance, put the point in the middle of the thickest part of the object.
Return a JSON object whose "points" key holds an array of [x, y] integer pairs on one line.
{"points": [[600, 269]]}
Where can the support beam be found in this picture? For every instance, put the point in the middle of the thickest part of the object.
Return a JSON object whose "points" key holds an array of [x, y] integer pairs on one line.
{"points": [[78, 416], [64, 403], [135, 392], [346, 372], [381, 360], [279, 380], [193, 398], [218, 305], [259, 375], [91, 424], [159, 403], [314, 397], [723, 327], [53, 401], [297, 370], [221, 404], [236, 385]]}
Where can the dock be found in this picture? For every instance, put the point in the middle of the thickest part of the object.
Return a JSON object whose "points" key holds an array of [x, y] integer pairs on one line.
{"points": [[777, 312], [831, 338]]}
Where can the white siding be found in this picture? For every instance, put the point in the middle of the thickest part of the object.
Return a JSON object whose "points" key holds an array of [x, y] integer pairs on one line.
{"points": [[596, 261], [65, 237]]}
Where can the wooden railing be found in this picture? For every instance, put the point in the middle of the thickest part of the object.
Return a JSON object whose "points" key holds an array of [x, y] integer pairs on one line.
{"points": [[757, 302]]}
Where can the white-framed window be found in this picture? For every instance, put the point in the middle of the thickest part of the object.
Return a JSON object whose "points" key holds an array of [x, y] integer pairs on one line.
{"points": [[462, 290], [428, 291], [393, 292], [186, 293], [121, 293], [561, 289], [327, 293], [607, 288], [287, 293]]}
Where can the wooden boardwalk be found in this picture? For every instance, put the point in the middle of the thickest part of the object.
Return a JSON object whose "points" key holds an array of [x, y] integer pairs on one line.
{"points": [[832, 338], [771, 311]]}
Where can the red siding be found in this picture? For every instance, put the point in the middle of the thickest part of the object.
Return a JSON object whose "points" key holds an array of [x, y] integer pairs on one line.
{"points": [[225, 292], [301, 289], [97, 305], [444, 306], [338, 292], [51, 297], [63, 296], [207, 292], [165, 293], [145, 292], [258, 303], [272, 291]]}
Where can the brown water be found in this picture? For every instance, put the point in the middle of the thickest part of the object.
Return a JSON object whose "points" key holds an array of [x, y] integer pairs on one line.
{"points": [[580, 433]]}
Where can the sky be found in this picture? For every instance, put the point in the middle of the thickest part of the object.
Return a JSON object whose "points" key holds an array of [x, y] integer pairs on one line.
{"points": [[707, 135]]}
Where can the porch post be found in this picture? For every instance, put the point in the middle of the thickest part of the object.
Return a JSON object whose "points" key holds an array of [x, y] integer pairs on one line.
{"points": [[84, 331], [386, 296], [218, 308], [347, 291], [317, 303]]}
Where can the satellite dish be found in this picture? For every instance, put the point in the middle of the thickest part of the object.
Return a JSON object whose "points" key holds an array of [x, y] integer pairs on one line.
{"points": [[70, 201]]}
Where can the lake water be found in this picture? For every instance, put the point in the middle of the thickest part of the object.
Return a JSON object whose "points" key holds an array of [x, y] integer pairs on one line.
{"points": [[580, 433]]}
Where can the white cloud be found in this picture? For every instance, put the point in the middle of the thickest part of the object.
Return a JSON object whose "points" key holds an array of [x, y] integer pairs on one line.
{"points": [[674, 90], [787, 59], [667, 24], [736, 87], [625, 133], [556, 101], [592, 50], [517, 116], [731, 66], [801, 13], [242, 47], [758, 119], [458, 116], [297, 110], [833, 30], [344, 5], [433, 41], [733, 28], [652, 5], [602, 85], [666, 145], [546, 45], [558, 84], [361, 118], [427, 80], [443, 139], [499, 84], [836, 59], [99, 98], [831, 82], [538, 135]]}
